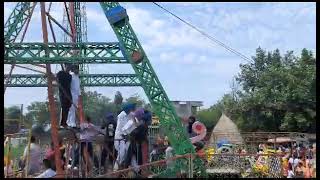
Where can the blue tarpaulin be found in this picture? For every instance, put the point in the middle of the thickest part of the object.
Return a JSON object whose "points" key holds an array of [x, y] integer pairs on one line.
{"points": [[222, 142]]}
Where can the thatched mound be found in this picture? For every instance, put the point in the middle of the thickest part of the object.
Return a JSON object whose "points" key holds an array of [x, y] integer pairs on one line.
{"points": [[226, 129]]}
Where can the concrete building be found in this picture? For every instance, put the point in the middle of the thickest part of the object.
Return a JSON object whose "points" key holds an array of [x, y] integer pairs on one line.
{"points": [[185, 109]]}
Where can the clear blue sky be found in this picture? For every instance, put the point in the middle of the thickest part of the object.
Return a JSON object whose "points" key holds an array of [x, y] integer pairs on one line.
{"points": [[189, 66]]}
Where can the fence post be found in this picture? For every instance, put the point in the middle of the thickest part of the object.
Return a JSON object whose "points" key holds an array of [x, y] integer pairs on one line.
{"points": [[67, 150], [71, 156], [28, 154], [274, 142], [80, 159], [86, 158], [99, 159], [8, 154], [191, 165], [281, 168]]}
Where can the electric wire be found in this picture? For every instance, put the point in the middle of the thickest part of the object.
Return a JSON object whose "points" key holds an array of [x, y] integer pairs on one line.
{"points": [[206, 35]]}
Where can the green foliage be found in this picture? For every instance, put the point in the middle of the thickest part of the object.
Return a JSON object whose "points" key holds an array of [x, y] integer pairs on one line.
{"points": [[13, 112], [118, 99], [209, 117], [95, 106], [137, 100], [38, 113], [278, 93], [12, 119]]}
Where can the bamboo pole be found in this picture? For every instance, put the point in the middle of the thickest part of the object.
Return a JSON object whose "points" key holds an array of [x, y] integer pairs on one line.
{"points": [[28, 153]]}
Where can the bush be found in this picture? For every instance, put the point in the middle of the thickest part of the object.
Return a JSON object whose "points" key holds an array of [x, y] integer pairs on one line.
{"points": [[209, 117]]}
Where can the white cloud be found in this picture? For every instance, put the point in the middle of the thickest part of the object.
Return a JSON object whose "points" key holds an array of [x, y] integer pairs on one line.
{"points": [[184, 3], [178, 51]]}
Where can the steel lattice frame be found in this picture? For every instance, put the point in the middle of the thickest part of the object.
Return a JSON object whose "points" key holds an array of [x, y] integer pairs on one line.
{"points": [[16, 21], [90, 80], [160, 102], [33, 53]]}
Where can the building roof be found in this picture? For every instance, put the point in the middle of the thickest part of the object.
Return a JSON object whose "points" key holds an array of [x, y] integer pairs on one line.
{"points": [[194, 103]]}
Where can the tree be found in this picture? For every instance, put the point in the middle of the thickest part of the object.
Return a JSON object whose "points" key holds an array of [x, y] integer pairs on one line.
{"points": [[38, 113], [118, 99], [12, 121], [272, 93], [12, 112], [279, 92], [136, 100], [209, 117], [96, 106]]}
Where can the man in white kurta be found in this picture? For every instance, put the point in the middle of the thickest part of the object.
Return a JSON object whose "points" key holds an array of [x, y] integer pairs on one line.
{"points": [[120, 143], [75, 92], [127, 129]]}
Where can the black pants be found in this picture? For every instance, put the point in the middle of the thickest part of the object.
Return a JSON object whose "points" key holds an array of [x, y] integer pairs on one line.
{"points": [[65, 106], [135, 149], [108, 153]]}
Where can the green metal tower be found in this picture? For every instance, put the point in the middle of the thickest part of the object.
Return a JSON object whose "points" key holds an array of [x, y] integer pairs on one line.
{"points": [[127, 50]]}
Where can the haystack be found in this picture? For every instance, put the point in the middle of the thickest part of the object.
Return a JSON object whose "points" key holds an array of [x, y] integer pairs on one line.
{"points": [[226, 129]]}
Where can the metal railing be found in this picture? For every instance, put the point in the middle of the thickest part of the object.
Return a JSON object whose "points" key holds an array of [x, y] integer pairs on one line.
{"points": [[218, 165]]}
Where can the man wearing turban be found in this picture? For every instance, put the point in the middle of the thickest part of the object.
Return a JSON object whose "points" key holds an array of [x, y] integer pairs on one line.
{"points": [[120, 142]]}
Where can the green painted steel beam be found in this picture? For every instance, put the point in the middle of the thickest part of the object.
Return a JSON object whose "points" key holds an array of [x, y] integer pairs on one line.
{"points": [[151, 85], [163, 108], [16, 21], [34, 53], [91, 80]]}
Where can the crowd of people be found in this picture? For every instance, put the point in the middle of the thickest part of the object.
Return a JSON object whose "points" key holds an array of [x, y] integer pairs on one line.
{"points": [[299, 161], [125, 145]]}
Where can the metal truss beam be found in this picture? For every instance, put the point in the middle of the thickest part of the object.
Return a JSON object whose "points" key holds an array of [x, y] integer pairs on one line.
{"points": [[151, 84], [91, 80], [161, 105], [89, 53], [17, 20]]}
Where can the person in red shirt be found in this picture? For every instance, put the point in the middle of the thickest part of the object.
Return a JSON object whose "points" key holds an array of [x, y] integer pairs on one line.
{"points": [[49, 155]]}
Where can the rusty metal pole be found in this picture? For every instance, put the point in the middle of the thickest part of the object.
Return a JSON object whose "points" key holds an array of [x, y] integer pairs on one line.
{"points": [[72, 25], [52, 108]]}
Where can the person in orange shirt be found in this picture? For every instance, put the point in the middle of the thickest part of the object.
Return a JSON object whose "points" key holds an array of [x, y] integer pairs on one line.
{"points": [[7, 164], [308, 170], [285, 165]]}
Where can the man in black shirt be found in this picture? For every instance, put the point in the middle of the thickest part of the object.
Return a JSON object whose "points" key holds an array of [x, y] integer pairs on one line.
{"points": [[192, 120], [108, 151], [64, 79]]}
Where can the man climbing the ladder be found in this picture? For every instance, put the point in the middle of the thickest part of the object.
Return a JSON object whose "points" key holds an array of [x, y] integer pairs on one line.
{"points": [[75, 93], [64, 80]]}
